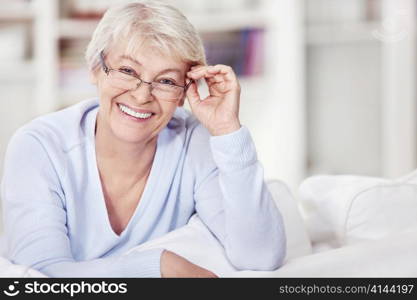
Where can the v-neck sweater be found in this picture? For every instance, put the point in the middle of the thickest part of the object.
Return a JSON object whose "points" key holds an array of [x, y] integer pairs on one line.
{"points": [[55, 215]]}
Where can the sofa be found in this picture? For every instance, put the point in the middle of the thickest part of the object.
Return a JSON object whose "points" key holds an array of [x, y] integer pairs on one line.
{"points": [[336, 226]]}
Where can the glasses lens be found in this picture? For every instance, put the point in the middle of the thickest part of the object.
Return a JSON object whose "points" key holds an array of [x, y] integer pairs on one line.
{"points": [[122, 81]]}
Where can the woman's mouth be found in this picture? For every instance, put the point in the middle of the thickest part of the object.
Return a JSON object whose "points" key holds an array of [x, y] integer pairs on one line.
{"points": [[140, 116]]}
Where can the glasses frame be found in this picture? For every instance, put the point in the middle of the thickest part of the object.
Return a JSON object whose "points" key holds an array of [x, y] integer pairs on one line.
{"points": [[107, 70]]}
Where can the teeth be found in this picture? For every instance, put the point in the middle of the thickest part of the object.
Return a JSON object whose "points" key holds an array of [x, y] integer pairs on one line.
{"points": [[133, 113]]}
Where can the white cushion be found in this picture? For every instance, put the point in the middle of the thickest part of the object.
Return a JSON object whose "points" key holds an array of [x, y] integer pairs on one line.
{"points": [[346, 209], [381, 210], [393, 256], [298, 241], [410, 177], [195, 243]]}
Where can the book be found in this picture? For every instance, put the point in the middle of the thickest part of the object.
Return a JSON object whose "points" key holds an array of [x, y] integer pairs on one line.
{"points": [[242, 50]]}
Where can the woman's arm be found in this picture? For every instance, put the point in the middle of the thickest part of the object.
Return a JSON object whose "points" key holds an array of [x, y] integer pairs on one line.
{"points": [[35, 220], [234, 202]]}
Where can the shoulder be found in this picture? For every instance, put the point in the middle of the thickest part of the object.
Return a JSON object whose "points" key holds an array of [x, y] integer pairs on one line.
{"points": [[63, 129]]}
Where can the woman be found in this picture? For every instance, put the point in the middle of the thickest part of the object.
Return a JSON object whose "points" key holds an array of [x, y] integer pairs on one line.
{"points": [[83, 185]]}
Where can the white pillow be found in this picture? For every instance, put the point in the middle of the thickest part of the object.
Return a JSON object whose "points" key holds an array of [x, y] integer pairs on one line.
{"points": [[393, 256], [195, 243], [346, 209], [298, 242], [381, 210]]}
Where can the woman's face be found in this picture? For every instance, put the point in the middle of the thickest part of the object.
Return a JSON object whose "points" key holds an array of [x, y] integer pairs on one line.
{"points": [[137, 115]]}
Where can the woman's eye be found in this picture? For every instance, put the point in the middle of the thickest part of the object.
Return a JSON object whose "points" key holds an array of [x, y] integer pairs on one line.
{"points": [[127, 71], [167, 81]]}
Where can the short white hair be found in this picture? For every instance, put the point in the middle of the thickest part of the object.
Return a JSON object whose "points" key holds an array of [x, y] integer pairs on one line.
{"points": [[151, 23]]}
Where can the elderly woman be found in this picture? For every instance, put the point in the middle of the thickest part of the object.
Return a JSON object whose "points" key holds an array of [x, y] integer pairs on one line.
{"points": [[83, 185]]}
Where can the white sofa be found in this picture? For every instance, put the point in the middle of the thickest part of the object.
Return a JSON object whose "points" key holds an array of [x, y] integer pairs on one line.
{"points": [[340, 226], [357, 226]]}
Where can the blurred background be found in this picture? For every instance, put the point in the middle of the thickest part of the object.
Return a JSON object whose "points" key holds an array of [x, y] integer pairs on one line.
{"points": [[328, 86]]}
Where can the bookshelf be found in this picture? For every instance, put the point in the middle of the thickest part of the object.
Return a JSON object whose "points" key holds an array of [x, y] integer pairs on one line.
{"points": [[364, 59], [73, 28], [17, 14], [291, 105]]}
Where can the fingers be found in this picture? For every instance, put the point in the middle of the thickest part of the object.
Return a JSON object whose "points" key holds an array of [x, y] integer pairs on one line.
{"points": [[220, 78], [210, 71], [173, 265], [217, 85], [215, 79], [193, 95], [217, 72]]}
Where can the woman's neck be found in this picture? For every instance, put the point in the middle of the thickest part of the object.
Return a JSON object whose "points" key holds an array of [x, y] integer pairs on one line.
{"points": [[123, 164]]}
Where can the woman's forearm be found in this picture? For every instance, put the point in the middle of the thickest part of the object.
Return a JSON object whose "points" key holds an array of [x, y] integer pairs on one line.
{"points": [[245, 218], [134, 264], [254, 230]]}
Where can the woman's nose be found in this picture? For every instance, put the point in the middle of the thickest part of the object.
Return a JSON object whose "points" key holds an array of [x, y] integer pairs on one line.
{"points": [[143, 92]]}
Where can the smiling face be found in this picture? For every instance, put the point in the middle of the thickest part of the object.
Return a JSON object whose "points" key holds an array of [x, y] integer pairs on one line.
{"points": [[137, 116]]}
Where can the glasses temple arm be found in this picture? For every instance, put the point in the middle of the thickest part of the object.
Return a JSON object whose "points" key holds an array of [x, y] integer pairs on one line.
{"points": [[103, 64]]}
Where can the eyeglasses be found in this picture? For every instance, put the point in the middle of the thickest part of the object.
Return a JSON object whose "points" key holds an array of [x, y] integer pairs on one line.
{"points": [[127, 79]]}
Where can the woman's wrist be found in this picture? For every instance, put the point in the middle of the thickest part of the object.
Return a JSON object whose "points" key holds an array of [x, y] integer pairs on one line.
{"points": [[225, 129]]}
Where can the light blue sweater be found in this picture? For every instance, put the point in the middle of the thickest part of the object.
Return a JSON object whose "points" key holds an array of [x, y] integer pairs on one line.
{"points": [[56, 219]]}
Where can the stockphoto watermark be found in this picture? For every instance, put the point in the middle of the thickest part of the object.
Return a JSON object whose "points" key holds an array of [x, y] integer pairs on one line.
{"points": [[394, 28], [72, 289]]}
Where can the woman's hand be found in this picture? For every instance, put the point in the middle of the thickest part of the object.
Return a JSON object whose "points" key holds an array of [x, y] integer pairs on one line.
{"points": [[173, 265], [219, 111]]}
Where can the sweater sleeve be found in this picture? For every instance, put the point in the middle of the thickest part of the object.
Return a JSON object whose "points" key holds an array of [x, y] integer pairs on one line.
{"points": [[35, 220], [236, 205]]}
